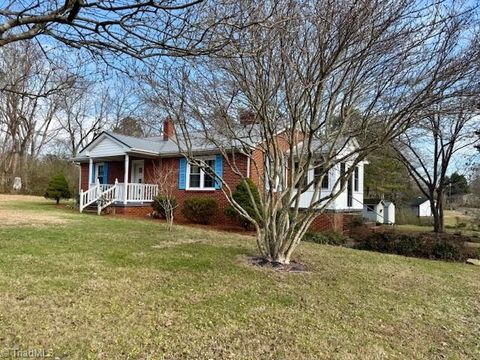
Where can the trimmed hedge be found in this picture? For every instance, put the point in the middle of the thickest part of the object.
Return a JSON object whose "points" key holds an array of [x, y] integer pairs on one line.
{"points": [[328, 237], [200, 210], [428, 245]]}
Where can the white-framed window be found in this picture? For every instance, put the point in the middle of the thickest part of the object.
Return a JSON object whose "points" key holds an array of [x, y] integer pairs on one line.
{"points": [[304, 180], [201, 179], [317, 173], [356, 179], [314, 175]]}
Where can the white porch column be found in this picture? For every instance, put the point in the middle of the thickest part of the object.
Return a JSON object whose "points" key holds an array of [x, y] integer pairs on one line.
{"points": [[125, 180], [90, 173]]}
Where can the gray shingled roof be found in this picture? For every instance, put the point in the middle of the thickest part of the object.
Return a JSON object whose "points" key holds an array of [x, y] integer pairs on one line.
{"points": [[138, 143], [418, 201], [158, 145]]}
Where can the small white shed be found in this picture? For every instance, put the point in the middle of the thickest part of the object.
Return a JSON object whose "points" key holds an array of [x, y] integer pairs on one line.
{"points": [[379, 211], [421, 207]]}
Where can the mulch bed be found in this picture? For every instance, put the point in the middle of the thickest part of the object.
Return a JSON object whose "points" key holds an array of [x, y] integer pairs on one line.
{"points": [[264, 263]]}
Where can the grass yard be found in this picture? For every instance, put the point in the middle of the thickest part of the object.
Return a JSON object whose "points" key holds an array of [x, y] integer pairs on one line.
{"points": [[84, 286], [452, 219]]}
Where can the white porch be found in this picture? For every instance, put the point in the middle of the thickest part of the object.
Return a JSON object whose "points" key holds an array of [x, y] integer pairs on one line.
{"points": [[126, 192]]}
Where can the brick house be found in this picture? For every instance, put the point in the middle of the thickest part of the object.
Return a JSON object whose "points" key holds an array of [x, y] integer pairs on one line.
{"points": [[122, 171]]}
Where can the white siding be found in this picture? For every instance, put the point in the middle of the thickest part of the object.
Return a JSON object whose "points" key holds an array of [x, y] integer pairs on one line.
{"points": [[383, 213], [389, 211], [424, 209], [340, 203], [105, 147], [376, 215]]}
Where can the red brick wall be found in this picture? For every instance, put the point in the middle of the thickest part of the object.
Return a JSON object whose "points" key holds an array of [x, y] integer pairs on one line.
{"points": [[84, 177], [115, 171], [171, 166], [329, 221], [133, 211]]}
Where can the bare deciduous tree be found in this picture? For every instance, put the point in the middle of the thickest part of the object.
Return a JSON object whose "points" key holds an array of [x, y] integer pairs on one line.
{"points": [[428, 149], [139, 29], [315, 78], [82, 114], [164, 176], [28, 107]]}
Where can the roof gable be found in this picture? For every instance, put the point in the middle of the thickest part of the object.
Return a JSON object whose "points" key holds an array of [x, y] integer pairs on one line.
{"points": [[104, 145], [418, 201]]}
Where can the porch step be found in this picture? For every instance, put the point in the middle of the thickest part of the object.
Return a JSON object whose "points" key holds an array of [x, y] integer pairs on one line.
{"points": [[92, 208]]}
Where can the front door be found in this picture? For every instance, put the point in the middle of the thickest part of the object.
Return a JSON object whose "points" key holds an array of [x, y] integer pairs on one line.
{"points": [[138, 171]]}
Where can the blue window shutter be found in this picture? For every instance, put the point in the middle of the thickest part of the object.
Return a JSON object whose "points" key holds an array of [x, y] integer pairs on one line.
{"points": [[218, 171], [94, 181], [182, 174], [105, 172]]}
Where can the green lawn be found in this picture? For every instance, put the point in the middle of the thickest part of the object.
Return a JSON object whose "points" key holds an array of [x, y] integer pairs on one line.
{"points": [[85, 286], [452, 219]]}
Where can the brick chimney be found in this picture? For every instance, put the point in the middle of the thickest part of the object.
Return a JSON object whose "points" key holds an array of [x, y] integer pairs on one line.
{"points": [[247, 117], [168, 129]]}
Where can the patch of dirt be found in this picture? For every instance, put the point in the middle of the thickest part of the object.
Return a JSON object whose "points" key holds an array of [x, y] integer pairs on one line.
{"points": [[16, 217], [294, 267], [24, 198], [13, 217]]}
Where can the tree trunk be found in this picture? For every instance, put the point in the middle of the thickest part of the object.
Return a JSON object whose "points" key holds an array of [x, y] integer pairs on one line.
{"points": [[58, 201], [438, 214], [277, 246]]}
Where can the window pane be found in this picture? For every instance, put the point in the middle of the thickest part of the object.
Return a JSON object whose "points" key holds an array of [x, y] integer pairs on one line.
{"points": [[194, 169], [208, 181], [317, 173], [209, 175], [195, 180], [100, 170], [194, 176], [342, 175], [356, 179]]}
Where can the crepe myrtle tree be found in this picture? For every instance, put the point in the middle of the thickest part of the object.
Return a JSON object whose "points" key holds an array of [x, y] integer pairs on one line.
{"points": [[311, 81]]}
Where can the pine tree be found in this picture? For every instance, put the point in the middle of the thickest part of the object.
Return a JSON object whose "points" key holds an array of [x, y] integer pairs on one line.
{"points": [[240, 195], [58, 188]]}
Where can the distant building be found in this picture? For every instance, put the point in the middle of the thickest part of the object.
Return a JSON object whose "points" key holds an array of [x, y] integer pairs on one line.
{"points": [[421, 207], [379, 211]]}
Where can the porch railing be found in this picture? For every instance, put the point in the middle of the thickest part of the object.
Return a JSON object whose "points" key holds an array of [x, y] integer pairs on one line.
{"points": [[141, 192], [90, 196], [110, 193], [107, 198]]}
